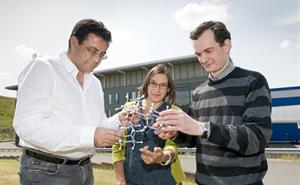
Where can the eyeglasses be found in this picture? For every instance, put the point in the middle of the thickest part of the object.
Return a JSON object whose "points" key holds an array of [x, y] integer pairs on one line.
{"points": [[93, 52], [162, 86]]}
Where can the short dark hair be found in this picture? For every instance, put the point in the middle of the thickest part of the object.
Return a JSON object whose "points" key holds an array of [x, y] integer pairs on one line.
{"points": [[218, 28], [159, 69], [86, 26]]}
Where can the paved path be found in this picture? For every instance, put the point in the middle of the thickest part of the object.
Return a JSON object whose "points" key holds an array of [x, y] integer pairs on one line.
{"points": [[281, 172]]}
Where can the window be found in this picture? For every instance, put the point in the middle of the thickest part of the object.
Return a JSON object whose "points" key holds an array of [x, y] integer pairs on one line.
{"points": [[133, 95], [183, 97], [117, 98], [109, 99], [127, 96]]}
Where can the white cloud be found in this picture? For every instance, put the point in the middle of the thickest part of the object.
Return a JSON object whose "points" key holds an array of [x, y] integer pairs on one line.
{"points": [[193, 14], [284, 44], [25, 51], [290, 20]]}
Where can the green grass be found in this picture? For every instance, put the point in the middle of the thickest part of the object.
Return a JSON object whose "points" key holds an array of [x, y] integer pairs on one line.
{"points": [[9, 174], [7, 108]]}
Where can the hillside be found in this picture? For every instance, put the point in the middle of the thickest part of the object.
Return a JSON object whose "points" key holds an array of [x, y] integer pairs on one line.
{"points": [[7, 107]]}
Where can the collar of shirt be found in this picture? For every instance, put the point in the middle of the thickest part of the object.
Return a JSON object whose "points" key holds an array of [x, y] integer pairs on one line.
{"points": [[72, 69], [68, 65], [223, 74]]}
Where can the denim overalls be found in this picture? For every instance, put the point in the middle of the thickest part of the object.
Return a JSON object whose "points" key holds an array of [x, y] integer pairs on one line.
{"points": [[136, 171]]}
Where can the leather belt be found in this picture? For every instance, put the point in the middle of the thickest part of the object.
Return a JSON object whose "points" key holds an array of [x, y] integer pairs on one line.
{"points": [[57, 160]]}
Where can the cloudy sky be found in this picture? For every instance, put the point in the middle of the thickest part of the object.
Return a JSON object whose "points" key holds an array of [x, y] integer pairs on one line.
{"points": [[265, 34]]}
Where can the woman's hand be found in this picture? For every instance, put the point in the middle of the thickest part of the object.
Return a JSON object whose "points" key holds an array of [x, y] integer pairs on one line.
{"points": [[157, 156]]}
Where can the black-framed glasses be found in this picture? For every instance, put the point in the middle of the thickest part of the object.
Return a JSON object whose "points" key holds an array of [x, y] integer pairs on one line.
{"points": [[162, 86], [94, 51]]}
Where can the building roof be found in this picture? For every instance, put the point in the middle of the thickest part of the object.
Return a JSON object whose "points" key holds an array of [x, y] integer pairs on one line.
{"points": [[144, 65]]}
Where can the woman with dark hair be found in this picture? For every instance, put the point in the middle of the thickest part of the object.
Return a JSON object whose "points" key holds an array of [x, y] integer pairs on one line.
{"points": [[143, 158]]}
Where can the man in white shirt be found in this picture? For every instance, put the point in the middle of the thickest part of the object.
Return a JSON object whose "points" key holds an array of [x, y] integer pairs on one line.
{"points": [[60, 115]]}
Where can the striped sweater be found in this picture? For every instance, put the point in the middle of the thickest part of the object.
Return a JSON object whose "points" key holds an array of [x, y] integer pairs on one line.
{"points": [[238, 108]]}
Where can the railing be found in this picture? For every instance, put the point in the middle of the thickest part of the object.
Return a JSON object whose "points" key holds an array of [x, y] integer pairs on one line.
{"points": [[288, 151], [192, 151]]}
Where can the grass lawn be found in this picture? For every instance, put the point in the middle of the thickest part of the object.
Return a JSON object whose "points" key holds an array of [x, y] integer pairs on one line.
{"points": [[7, 107], [9, 174]]}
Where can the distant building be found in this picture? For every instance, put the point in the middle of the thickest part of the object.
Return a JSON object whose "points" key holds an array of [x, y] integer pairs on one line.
{"points": [[187, 74], [118, 82]]}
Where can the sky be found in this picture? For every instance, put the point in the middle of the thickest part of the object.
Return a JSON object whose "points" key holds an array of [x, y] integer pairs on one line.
{"points": [[265, 34]]}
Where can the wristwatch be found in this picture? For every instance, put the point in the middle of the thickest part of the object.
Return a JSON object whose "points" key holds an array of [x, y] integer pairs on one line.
{"points": [[206, 129]]}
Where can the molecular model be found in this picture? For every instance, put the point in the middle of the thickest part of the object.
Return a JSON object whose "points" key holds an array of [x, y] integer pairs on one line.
{"points": [[133, 112]]}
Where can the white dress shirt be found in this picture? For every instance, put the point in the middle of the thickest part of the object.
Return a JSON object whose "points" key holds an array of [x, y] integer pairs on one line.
{"points": [[54, 114]]}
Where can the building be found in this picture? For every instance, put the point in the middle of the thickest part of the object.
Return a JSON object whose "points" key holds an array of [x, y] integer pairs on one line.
{"points": [[121, 82]]}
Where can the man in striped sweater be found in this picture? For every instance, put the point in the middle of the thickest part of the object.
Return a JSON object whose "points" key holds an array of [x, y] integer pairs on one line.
{"points": [[230, 124]]}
